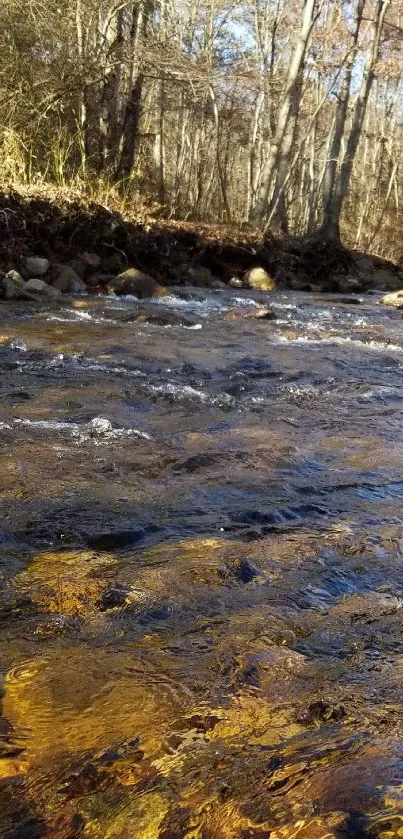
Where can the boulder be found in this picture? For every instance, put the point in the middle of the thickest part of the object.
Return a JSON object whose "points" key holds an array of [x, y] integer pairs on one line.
{"points": [[14, 287], [95, 280], [385, 279], [202, 276], [78, 266], [36, 266], [259, 279], [364, 263], [39, 287], [347, 284], [236, 282], [137, 283], [113, 264], [92, 260], [297, 282], [395, 298], [68, 281]]}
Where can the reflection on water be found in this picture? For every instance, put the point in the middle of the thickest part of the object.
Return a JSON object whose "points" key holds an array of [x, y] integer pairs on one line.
{"points": [[201, 596]]}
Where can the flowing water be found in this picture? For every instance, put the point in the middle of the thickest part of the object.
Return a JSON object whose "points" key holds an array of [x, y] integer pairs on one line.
{"points": [[201, 569]]}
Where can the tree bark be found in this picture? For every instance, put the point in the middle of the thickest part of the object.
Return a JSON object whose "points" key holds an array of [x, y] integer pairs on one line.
{"points": [[131, 119], [282, 141], [337, 187]]}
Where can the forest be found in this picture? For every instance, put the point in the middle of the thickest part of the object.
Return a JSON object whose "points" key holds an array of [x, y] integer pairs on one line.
{"points": [[280, 114]]}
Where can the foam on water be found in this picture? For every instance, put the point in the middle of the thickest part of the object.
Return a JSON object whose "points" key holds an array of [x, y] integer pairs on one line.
{"points": [[77, 316], [379, 346], [182, 392], [99, 427]]}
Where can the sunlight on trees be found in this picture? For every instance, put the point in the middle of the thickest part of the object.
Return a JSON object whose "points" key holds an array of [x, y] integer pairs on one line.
{"points": [[280, 113]]}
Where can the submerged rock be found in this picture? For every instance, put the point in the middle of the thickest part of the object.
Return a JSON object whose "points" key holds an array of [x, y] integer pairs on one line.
{"points": [[263, 313], [136, 282], [245, 572], [394, 298], [260, 280], [116, 595], [166, 318], [99, 425], [320, 711], [36, 266]]}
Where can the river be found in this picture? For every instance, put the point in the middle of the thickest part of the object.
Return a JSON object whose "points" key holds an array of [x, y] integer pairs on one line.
{"points": [[201, 569]]}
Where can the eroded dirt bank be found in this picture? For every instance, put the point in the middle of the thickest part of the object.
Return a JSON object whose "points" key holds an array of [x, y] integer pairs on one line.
{"points": [[178, 252]]}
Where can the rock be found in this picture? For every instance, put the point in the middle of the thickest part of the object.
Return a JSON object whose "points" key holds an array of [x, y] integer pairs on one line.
{"points": [[259, 279], [95, 280], [347, 283], [218, 285], [36, 266], [14, 287], [116, 595], [99, 425], [36, 286], [90, 259], [235, 282], [263, 313], [163, 319], [395, 298], [117, 540], [297, 282], [68, 281], [114, 264], [136, 282], [321, 711], [245, 572], [364, 263], [202, 276], [342, 301], [385, 279], [79, 267]]}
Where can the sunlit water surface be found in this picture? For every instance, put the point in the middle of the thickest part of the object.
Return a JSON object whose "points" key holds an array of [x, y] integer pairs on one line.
{"points": [[201, 598]]}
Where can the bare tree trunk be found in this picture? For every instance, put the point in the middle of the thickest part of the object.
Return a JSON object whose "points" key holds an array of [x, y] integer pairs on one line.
{"points": [[109, 103], [221, 175], [338, 132], [334, 205], [285, 127], [132, 112]]}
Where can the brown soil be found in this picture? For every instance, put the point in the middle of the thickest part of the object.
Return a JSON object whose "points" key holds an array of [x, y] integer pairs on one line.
{"points": [[60, 229]]}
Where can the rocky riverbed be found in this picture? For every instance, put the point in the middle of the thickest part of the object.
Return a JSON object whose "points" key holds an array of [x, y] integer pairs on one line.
{"points": [[200, 548]]}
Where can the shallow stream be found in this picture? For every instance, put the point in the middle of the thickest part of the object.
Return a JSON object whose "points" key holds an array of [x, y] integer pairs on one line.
{"points": [[201, 588]]}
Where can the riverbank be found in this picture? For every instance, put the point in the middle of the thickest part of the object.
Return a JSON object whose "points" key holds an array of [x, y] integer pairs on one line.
{"points": [[173, 253]]}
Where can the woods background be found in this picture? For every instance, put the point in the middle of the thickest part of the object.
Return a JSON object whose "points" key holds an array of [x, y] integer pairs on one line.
{"points": [[280, 113]]}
